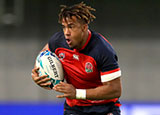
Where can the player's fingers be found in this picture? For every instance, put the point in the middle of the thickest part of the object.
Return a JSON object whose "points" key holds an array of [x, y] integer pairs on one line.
{"points": [[62, 96], [58, 86], [35, 70], [45, 84], [61, 84], [34, 76], [43, 76], [60, 89], [43, 80], [40, 78]]}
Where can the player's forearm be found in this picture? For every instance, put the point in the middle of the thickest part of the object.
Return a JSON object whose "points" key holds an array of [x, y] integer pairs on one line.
{"points": [[102, 92], [108, 91]]}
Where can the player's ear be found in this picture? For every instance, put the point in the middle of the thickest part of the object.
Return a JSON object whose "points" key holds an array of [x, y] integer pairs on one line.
{"points": [[85, 27]]}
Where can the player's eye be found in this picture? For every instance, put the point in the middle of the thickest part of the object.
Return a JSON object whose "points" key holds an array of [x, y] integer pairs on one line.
{"points": [[70, 26], [63, 26]]}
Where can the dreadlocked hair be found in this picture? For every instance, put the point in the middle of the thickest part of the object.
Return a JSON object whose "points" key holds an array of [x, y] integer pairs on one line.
{"points": [[81, 11]]}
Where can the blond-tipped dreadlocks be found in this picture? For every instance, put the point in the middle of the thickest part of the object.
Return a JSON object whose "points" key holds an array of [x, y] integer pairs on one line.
{"points": [[81, 11]]}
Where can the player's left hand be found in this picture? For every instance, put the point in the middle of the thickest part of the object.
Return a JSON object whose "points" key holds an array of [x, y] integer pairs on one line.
{"points": [[68, 90]]}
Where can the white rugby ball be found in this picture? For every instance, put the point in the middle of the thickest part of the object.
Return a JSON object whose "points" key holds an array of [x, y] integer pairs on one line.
{"points": [[49, 64]]}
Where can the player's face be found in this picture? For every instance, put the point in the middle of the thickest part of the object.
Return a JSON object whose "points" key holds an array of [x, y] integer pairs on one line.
{"points": [[74, 32]]}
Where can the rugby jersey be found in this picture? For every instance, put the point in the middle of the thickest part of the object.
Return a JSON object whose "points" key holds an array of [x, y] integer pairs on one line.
{"points": [[88, 67]]}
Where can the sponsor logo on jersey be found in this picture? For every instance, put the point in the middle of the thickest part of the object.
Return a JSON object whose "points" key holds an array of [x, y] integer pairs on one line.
{"points": [[88, 67], [62, 56], [75, 56]]}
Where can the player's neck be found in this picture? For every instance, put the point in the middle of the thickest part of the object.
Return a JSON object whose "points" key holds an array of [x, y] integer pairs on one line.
{"points": [[85, 37]]}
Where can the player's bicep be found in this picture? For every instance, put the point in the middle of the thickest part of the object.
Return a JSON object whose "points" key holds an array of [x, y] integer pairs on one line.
{"points": [[116, 81], [115, 85]]}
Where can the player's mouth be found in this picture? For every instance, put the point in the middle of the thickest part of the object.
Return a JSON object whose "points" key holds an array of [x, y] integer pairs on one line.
{"points": [[68, 41]]}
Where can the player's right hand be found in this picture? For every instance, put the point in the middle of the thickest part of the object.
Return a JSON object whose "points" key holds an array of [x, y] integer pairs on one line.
{"points": [[42, 81]]}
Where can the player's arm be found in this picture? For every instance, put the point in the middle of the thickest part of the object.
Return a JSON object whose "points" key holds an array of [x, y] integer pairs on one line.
{"points": [[109, 90], [42, 81]]}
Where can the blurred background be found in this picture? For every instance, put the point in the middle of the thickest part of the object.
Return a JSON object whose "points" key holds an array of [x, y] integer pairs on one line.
{"points": [[132, 26]]}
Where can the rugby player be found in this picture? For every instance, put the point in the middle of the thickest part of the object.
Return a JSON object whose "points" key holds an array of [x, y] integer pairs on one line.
{"points": [[92, 73]]}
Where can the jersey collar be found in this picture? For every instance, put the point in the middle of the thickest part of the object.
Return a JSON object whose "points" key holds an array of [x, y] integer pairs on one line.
{"points": [[88, 39]]}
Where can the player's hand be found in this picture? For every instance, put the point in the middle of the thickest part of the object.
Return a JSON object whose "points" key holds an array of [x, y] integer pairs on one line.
{"points": [[40, 80], [67, 89]]}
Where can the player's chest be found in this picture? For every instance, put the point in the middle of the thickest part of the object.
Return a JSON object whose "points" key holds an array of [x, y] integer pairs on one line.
{"points": [[77, 63]]}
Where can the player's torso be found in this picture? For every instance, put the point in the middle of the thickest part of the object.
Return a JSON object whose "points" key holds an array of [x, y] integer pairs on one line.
{"points": [[80, 66], [80, 69]]}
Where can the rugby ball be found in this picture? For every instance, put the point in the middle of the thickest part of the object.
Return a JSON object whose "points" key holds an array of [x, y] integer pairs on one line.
{"points": [[49, 64]]}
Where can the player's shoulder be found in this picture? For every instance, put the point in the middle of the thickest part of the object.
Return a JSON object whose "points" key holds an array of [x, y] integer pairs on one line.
{"points": [[103, 51], [57, 36], [101, 42], [56, 41]]}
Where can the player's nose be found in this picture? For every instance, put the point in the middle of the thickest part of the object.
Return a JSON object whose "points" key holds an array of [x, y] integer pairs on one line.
{"points": [[67, 32]]}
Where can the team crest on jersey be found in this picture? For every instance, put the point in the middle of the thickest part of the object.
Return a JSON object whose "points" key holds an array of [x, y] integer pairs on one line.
{"points": [[88, 67], [61, 55]]}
